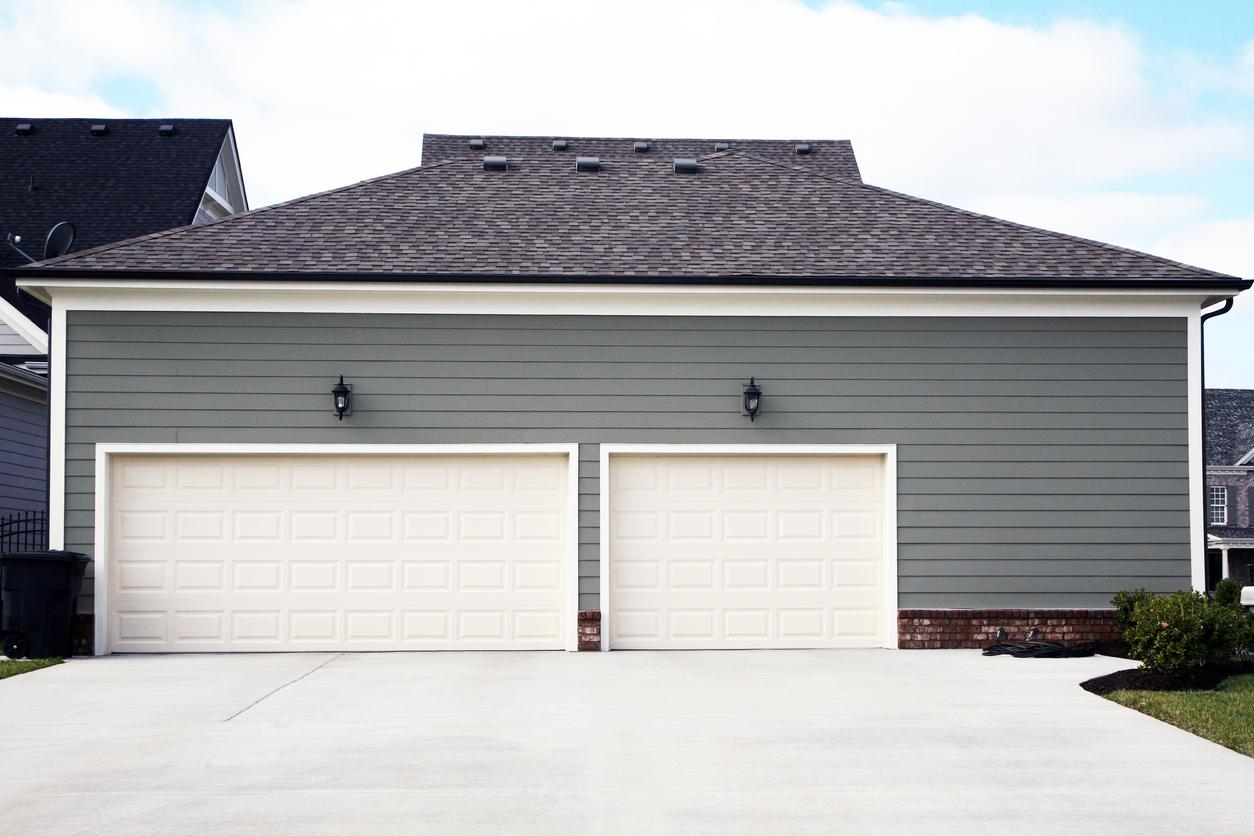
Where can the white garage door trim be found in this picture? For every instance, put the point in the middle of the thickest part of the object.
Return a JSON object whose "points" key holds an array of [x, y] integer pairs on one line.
{"points": [[105, 453], [887, 451]]}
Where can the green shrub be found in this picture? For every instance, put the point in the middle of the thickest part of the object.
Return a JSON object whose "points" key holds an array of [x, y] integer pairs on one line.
{"points": [[1124, 602], [1183, 632], [1228, 593]]}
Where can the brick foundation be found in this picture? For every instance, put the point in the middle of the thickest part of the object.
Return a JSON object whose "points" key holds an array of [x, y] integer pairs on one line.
{"points": [[917, 629], [589, 629]]}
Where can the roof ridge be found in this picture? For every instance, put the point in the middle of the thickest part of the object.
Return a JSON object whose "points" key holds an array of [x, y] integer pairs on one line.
{"points": [[1200, 271], [628, 138], [59, 260]]}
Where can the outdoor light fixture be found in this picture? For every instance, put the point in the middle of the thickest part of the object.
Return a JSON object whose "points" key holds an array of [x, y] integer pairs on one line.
{"points": [[343, 395], [752, 399]]}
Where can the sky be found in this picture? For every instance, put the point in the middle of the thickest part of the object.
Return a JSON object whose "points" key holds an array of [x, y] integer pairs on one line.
{"points": [[1127, 121]]}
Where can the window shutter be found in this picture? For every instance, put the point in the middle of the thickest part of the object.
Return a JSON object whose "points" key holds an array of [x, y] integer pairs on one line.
{"points": [[1232, 505], [1249, 507]]}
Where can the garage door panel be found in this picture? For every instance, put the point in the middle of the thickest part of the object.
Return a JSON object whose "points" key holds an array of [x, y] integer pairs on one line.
{"points": [[746, 551], [322, 552]]}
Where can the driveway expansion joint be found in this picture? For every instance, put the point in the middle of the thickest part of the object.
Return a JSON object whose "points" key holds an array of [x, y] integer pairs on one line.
{"points": [[265, 697]]}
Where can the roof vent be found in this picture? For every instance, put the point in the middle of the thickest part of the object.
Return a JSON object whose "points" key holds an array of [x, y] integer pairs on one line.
{"points": [[587, 164], [99, 130], [495, 163], [721, 146], [559, 145], [166, 130], [22, 129], [640, 147], [476, 144], [686, 166], [802, 148]]}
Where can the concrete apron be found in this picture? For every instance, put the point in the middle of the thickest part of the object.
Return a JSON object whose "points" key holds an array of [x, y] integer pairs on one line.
{"points": [[699, 742]]}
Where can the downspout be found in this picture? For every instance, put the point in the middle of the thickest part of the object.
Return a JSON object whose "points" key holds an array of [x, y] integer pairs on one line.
{"points": [[1227, 306]]}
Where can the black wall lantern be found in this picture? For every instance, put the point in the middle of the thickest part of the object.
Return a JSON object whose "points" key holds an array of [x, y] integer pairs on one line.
{"points": [[343, 395], [752, 399]]}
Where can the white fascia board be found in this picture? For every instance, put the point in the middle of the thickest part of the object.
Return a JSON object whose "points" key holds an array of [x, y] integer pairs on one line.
{"points": [[229, 145], [17, 322], [217, 199], [1197, 479], [588, 299]]}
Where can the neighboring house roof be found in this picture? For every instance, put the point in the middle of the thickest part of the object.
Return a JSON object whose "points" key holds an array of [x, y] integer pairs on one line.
{"points": [[827, 156], [742, 217], [28, 380], [1225, 532], [130, 180], [1229, 426]]}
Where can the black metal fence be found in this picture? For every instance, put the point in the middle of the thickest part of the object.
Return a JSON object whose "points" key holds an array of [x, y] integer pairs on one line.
{"points": [[24, 531]]}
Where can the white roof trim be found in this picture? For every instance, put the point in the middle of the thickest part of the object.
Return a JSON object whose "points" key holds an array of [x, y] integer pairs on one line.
{"points": [[1246, 459], [34, 336]]}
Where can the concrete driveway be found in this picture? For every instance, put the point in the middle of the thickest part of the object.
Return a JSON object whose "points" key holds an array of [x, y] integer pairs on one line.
{"points": [[700, 742]]}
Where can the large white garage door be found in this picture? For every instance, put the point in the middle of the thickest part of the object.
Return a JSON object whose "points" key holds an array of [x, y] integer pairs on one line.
{"points": [[746, 551], [323, 552]]}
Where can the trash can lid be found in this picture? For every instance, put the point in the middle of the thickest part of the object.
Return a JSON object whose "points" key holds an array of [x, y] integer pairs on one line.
{"points": [[45, 554]]}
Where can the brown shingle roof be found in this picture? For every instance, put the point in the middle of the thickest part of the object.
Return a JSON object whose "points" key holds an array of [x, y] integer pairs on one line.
{"points": [[741, 218], [826, 156]]}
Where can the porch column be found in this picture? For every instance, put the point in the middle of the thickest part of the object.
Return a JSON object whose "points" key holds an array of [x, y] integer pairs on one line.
{"points": [[1223, 550]]}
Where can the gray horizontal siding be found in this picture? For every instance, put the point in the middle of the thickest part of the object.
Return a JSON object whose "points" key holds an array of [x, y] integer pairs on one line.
{"points": [[23, 453], [1042, 461]]}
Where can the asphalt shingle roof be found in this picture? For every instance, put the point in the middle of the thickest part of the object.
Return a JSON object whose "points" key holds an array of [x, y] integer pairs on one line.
{"points": [[826, 156], [743, 217], [1229, 425], [130, 181]]}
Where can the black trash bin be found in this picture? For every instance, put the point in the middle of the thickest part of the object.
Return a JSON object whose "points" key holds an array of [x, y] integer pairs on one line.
{"points": [[38, 597]]}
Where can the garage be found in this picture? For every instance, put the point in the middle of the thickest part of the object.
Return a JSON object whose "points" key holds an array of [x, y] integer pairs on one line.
{"points": [[318, 550], [773, 548]]}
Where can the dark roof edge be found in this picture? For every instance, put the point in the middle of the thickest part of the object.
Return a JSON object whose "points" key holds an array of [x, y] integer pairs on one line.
{"points": [[1199, 283]]}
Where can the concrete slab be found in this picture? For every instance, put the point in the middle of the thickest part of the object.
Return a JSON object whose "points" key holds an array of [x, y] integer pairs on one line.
{"points": [[695, 742]]}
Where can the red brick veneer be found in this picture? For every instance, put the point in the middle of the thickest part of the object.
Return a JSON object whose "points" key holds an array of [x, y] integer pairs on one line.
{"points": [[977, 628], [589, 629]]}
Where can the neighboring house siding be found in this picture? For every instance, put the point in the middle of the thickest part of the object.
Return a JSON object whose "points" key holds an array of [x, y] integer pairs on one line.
{"points": [[1042, 461], [13, 343], [23, 451]]}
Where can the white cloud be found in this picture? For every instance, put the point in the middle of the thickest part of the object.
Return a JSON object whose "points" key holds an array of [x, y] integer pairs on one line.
{"points": [[28, 100], [324, 93], [1046, 125], [1226, 245]]}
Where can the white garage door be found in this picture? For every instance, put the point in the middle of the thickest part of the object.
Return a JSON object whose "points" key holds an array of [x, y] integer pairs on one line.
{"points": [[746, 551], [321, 552]]}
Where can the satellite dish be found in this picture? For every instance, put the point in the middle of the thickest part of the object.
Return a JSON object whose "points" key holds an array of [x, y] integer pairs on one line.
{"points": [[60, 239]]}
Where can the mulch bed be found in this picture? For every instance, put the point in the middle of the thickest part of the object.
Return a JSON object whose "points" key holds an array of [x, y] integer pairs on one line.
{"points": [[1136, 679], [1118, 649]]}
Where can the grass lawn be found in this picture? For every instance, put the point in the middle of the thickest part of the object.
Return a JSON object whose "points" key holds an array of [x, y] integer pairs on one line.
{"points": [[9, 667], [1225, 715]]}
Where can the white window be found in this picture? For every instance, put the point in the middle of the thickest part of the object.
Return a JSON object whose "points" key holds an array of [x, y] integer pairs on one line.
{"points": [[1218, 505]]}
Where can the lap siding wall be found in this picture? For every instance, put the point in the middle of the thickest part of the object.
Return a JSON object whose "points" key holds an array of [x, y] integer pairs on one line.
{"points": [[1042, 462], [23, 451]]}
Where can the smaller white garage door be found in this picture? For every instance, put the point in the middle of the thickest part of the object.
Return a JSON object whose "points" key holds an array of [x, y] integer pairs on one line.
{"points": [[746, 551], [338, 552]]}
